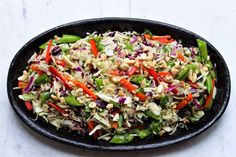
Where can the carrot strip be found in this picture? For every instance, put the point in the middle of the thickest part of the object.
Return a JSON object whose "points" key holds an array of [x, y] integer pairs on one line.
{"points": [[131, 88], [114, 125], [147, 36], [181, 57], [94, 47], [22, 85], [163, 73], [81, 85]]}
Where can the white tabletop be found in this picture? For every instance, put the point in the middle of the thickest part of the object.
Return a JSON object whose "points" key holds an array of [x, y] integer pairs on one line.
{"points": [[21, 20]]}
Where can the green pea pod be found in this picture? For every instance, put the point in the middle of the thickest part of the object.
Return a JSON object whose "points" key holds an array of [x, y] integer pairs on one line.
{"points": [[27, 96], [42, 79], [150, 114], [129, 46], [121, 139], [44, 96], [143, 133], [164, 100], [71, 100], [43, 46], [192, 66], [183, 74], [147, 31], [213, 74], [171, 64], [208, 83], [99, 83], [203, 49], [201, 101], [66, 38], [120, 120], [137, 79], [155, 126], [209, 64]]}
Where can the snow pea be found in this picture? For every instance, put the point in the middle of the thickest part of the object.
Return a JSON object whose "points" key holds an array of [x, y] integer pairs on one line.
{"points": [[66, 38], [143, 133], [42, 79], [164, 100], [99, 83], [137, 79], [71, 100], [44, 96], [203, 49], [120, 120], [183, 74], [121, 139], [150, 114], [155, 126], [208, 83], [27, 96]]}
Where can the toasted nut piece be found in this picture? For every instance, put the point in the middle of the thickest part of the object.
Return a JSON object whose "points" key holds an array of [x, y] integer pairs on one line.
{"points": [[143, 56], [168, 78], [24, 77], [121, 93], [192, 76], [116, 79], [175, 70], [150, 56], [92, 105], [124, 66], [62, 100], [162, 64], [167, 58], [109, 106], [54, 97], [205, 69], [129, 61], [103, 56]]}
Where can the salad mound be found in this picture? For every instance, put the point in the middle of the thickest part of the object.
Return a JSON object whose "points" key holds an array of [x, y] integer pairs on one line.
{"points": [[118, 86]]}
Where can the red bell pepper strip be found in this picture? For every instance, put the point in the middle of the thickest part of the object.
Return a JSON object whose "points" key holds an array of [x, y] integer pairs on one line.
{"points": [[132, 70], [210, 96], [163, 73], [48, 56], [194, 85], [184, 102], [85, 89], [131, 88], [56, 107], [60, 62], [91, 127], [60, 76], [94, 47], [28, 105], [162, 39], [154, 74]]}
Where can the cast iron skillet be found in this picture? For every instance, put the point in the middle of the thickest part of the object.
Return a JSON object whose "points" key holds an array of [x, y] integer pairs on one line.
{"points": [[120, 24]]}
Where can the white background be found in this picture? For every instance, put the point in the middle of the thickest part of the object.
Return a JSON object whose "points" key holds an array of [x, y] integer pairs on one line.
{"points": [[21, 20]]}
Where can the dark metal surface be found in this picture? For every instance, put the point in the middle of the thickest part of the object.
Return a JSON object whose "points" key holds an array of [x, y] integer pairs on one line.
{"points": [[120, 24]]}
